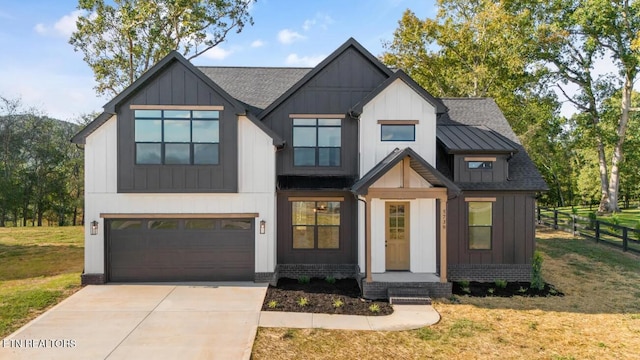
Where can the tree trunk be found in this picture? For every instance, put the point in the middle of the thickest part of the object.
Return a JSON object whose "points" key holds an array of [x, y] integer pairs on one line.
{"points": [[75, 215], [618, 155], [604, 182]]}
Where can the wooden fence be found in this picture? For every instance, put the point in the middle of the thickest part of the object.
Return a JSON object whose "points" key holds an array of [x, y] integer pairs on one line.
{"points": [[627, 239]]}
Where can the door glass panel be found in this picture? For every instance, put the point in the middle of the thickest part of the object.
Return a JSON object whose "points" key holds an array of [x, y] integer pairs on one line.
{"points": [[125, 224], [162, 224], [200, 224], [236, 224]]}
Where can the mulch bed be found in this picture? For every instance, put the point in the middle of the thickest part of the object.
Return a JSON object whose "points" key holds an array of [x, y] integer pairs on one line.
{"points": [[480, 289], [321, 296]]}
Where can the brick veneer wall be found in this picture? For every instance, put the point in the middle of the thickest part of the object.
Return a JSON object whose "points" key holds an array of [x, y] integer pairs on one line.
{"points": [[338, 271], [489, 272]]}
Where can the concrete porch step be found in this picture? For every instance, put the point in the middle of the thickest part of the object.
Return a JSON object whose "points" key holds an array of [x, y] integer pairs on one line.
{"points": [[409, 296]]}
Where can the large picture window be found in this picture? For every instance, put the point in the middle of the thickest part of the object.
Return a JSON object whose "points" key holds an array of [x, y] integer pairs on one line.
{"points": [[315, 224], [175, 137], [480, 224], [316, 142]]}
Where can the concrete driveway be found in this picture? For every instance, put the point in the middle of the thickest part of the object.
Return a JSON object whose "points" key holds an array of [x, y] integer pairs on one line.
{"points": [[145, 321]]}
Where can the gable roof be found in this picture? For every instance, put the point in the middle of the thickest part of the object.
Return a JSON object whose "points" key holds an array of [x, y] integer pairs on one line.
{"points": [[351, 43], [417, 163], [465, 139], [174, 56], [257, 87], [523, 173], [399, 74]]}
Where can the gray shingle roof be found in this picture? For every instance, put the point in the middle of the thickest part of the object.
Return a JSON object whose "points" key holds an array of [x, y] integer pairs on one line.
{"points": [[523, 174], [257, 87], [459, 139]]}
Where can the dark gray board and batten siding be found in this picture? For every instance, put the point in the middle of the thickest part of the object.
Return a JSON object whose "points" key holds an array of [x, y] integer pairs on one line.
{"points": [[513, 233], [498, 173], [334, 90], [177, 85]]}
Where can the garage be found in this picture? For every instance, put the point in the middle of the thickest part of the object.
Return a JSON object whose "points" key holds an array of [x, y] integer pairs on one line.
{"points": [[195, 249]]}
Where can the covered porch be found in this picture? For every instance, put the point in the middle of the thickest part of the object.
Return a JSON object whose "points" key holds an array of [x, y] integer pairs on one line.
{"points": [[402, 218]]}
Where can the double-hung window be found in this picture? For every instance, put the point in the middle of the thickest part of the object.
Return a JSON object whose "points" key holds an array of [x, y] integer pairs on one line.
{"points": [[480, 215], [317, 142], [177, 137], [315, 224]]}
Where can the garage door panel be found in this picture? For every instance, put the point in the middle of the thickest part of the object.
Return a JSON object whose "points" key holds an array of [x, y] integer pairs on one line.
{"points": [[193, 252]]}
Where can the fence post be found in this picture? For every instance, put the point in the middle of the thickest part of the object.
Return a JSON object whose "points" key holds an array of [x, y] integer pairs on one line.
{"points": [[555, 219], [539, 218], [625, 242], [573, 224], [597, 230]]}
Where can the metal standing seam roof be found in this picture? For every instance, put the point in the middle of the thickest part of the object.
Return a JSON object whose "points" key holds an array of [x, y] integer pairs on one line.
{"points": [[417, 163], [471, 139]]}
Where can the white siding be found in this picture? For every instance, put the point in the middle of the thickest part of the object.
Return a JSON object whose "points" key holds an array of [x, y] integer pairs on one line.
{"points": [[397, 102], [256, 192]]}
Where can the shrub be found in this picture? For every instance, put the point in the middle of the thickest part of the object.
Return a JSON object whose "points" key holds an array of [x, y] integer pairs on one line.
{"points": [[304, 279], [501, 284], [374, 308], [536, 271], [272, 304], [491, 291], [303, 301], [330, 280], [338, 303]]}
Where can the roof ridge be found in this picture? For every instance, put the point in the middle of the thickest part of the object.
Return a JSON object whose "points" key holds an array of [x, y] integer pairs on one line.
{"points": [[465, 98], [252, 67]]}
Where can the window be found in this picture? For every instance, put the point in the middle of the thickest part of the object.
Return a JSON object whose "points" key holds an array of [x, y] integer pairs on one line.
{"points": [[316, 224], [398, 132], [480, 224], [177, 137], [482, 165], [316, 142]]}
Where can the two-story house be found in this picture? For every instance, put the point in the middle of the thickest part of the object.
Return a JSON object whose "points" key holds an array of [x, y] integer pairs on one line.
{"points": [[347, 169]]}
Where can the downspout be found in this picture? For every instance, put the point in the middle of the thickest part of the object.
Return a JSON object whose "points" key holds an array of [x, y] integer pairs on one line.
{"points": [[366, 231]]}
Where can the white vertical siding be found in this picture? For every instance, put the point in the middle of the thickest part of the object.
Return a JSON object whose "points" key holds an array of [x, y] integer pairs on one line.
{"points": [[378, 222], [256, 192], [423, 236], [397, 102]]}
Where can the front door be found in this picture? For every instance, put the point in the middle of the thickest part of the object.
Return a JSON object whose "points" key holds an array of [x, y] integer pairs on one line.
{"points": [[397, 235]]}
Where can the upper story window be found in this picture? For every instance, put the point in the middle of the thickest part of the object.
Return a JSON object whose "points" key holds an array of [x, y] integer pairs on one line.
{"points": [[480, 217], [317, 141], [397, 130], [480, 163], [177, 137]]}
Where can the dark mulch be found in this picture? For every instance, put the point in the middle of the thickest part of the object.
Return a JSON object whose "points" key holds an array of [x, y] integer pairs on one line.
{"points": [[483, 289], [321, 296]]}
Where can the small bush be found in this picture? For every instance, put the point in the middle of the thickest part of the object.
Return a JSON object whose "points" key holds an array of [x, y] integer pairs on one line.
{"points": [[464, 283], [374, 308], [303, 301], [338, 303], [272, 304], [330, 280], [537, 282], [491, 291], [522, 290], [304, 279], [501, 284]]}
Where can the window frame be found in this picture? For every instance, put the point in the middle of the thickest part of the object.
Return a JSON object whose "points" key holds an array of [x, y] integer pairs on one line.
{"points": [[165, 121], [317, 148], [469, 202], [316, 227]]}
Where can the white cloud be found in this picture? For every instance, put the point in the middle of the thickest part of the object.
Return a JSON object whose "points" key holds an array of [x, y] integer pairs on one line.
{"points": [[295, 60], [287, 36], [217, 53], [322, 20], [257, 44], [63, 27], [308, 24]]}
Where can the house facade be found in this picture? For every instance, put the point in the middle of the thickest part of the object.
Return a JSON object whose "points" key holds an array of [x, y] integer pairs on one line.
{"points": [[347, 169]]}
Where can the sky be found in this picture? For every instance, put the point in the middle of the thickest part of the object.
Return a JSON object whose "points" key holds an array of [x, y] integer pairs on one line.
{"points": [[38, 65]]}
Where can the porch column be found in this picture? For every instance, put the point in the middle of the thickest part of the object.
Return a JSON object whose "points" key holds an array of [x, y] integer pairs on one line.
{"points": [[367, 238], [443, 238]]}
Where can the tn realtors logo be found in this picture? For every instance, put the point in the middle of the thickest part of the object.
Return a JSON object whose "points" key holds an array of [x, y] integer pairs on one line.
{"points": [[38, 343]]}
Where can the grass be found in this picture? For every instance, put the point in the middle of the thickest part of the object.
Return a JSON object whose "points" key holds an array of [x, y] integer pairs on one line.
{"points": [[39, 268], [598, 318], [627, 217]]}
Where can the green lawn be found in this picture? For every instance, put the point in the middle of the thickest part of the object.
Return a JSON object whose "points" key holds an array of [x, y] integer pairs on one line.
{"points": [[627, 217], [39, 267], [598, 318]]}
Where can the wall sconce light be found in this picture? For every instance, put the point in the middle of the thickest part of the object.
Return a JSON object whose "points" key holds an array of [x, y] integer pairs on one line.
{"points": [[263, 226], [94, 227]]}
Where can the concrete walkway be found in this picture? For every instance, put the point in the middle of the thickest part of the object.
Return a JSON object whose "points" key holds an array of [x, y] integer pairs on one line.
{"points": [[160, 321], [404, 317]]}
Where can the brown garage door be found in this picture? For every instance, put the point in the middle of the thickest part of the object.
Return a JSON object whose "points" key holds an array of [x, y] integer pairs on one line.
{"points": [[180, 249]]}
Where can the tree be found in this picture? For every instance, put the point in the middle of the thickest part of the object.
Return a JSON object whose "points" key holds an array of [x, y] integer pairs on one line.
{"points": [[122, 41]]}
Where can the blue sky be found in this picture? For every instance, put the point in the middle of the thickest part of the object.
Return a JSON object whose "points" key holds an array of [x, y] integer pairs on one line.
{"points": [[38, 65]]}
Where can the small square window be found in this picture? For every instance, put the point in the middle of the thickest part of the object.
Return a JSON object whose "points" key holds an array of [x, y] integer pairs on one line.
{"points": [[480, 165], [398, 132]]}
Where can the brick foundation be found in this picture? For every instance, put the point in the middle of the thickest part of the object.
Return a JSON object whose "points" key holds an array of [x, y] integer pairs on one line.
{"points": [[92, 279], [266, 277], [338, 271], [379, 290], [489, 272]]}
